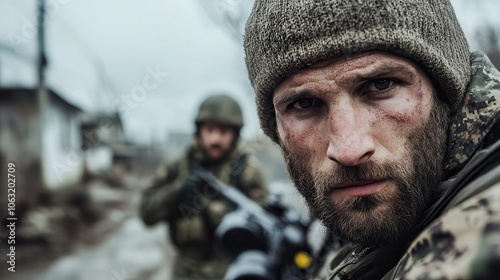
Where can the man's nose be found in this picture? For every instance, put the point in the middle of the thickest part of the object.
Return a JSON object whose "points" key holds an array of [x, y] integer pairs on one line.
{"points": [[215, 135], [350, 141]]}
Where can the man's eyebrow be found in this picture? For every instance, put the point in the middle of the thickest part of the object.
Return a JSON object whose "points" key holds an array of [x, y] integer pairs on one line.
{"points": [[381, 71], [287, 96]]}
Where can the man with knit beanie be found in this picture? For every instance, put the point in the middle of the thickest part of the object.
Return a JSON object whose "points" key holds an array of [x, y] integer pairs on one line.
{"points": [[390, 130]]}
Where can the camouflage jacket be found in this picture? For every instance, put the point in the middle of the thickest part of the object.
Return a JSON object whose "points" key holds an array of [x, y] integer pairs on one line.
{"points": [[191, 225], [459, 237]]}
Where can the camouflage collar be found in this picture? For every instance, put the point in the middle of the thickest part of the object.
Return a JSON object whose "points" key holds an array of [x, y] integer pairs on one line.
{"points": [[480, 111]]}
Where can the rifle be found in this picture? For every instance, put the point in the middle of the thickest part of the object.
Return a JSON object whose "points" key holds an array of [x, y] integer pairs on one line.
{"points": [[262, 243]]}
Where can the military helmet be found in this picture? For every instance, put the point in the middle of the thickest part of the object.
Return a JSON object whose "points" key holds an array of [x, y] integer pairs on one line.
{"points": [[221, 109]]}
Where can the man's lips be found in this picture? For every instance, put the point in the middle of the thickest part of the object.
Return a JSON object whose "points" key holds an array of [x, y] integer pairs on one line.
{"points": [[215, 149], [360, 188]]}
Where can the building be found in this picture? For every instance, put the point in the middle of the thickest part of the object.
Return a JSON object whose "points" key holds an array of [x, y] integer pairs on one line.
{"points": [[46, 156], [101, 135]]}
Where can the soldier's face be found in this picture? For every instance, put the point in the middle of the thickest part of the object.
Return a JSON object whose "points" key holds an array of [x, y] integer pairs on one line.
{"points": [[216, 139], [364, 138]]}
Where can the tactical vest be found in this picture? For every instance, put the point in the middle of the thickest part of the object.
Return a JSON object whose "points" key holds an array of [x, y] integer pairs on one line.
{"points": [[192, 228]]}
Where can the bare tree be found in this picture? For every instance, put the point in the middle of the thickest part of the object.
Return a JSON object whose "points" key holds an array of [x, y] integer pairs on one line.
{"points": [[231, 15], [485, 34], [488, 38]]}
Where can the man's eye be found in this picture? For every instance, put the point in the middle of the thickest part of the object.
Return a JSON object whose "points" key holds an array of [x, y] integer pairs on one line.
{"points": [[305, 103], [380, 84]]}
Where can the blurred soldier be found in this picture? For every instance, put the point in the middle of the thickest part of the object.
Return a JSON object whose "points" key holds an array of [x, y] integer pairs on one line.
{"points": [[191, 209], [390, 129]]}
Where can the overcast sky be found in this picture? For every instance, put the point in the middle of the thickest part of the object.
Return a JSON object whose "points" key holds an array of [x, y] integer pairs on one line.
{"points": [[102, 53]]}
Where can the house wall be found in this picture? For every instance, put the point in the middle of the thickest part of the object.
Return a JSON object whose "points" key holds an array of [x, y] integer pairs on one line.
{"points": [[101, 136], [20, 144], [63, 158]]}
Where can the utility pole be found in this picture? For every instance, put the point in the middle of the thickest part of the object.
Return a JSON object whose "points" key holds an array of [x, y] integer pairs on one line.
{"points": [[43, 97]]}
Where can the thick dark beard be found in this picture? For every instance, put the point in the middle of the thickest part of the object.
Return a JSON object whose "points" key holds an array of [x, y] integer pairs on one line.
{"points": [[383, 217], [207, 160]]}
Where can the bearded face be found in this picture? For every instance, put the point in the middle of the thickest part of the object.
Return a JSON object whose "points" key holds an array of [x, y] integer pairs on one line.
{"points": [[367, 158], [217, 140], [386, 215]]}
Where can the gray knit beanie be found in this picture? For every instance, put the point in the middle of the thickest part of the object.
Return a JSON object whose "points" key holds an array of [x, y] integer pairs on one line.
{"points": [[284, 36]]}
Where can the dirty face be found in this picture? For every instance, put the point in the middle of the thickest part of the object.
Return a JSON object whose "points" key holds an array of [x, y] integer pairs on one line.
{"points": [[216, 139], [363, 138]]}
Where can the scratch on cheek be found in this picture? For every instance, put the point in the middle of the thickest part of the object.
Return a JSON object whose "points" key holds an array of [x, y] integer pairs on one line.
{"points": [[413, 109], [404, 115], [400, 118]]}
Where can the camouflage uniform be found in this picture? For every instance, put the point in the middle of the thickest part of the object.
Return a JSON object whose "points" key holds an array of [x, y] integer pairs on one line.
{"points": [[459, 237], [192, 210], [192, 222]]}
